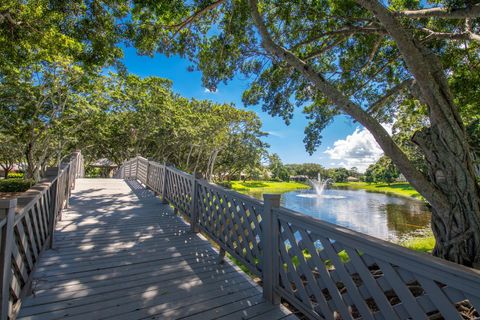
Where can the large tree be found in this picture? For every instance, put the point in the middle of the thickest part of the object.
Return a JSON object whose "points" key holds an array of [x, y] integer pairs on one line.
{"points": [[362, 58], [49, 52], [143, 116]]}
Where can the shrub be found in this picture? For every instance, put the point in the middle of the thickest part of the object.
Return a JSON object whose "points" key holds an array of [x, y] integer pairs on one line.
{"points": [[15, 175], [92, 172], [15, 185]]}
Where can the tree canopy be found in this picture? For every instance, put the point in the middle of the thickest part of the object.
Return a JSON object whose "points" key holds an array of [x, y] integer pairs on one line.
{"points": [[413, 64], [375, 61]]}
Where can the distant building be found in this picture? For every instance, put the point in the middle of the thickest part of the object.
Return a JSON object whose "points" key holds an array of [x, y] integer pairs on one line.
{"points": [[352, 179], [401, 178], [106, 167]]}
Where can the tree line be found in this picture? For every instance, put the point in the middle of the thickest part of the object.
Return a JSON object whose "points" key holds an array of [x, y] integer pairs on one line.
{"points": [[412, 64], [383, 171], [119, 116]]}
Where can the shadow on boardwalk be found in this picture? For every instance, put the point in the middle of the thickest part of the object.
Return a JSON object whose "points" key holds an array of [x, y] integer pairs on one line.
{"points": [[119, 253]]}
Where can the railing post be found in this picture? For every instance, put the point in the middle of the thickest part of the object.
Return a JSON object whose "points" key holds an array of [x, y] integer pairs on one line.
{"points": [[6, 243], [136, 168], [164, 185], [148, 172], [270, 247], [193, 205], [55, 204], [68, 188]]}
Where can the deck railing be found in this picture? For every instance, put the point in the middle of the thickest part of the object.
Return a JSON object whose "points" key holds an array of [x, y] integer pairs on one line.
{"points": [[26, 229], [324, 270]]}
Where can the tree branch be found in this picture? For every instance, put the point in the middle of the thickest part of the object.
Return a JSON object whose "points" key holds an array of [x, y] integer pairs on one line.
{"points": [[466, 35], [326, 48], [377, 105], [417, 178], [344, 31], [444, 13], [200, 13]]}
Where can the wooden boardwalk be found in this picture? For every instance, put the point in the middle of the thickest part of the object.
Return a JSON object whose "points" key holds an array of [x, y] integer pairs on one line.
{"points": [[121, 254]]}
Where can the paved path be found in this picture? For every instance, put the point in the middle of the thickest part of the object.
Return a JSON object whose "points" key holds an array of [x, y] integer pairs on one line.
{"points": [[120, 254]]}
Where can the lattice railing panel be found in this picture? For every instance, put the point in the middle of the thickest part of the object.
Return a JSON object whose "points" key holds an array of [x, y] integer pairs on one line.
{"points": [[326, 271], [232, 220], [142, 168], [24, 234], [332, 273], [155, 177], [179, 190], [129, 169]]}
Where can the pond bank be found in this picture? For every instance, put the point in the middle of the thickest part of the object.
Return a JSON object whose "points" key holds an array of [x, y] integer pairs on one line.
{"points": [[402, 189], [421, 240], [249, 187]]}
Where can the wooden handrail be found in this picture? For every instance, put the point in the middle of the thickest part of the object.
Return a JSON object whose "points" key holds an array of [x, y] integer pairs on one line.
{"points": [[28, 229], [323, 269]]}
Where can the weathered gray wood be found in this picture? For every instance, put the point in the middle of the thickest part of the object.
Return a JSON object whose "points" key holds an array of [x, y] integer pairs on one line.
{"points": [[221, 256], [270, 256], [6, 243], [232, 222], [28, 232], [297, 256], [164, 184], [129, 261], [193, 206], [53, 212]]}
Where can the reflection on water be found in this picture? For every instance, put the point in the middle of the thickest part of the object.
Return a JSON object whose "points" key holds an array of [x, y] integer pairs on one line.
{"points": [[379, 215]]}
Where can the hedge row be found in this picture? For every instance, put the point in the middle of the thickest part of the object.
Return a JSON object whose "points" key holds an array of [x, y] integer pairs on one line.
{"points": [[15, 185]]}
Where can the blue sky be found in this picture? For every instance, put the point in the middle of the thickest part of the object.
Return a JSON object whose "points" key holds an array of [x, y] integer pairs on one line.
{"points": [[344, 143]]}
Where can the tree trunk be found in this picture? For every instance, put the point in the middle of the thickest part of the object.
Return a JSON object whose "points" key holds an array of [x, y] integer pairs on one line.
{"points": [[30, 172], [456, 222], [451, 187]]}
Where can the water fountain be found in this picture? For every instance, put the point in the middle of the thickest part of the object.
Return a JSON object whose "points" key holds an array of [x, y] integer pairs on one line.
{"points": [[319, 184], [319, 187]]}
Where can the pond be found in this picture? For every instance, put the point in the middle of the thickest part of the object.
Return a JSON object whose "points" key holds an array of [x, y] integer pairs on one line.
{"points": [[379, 215]]}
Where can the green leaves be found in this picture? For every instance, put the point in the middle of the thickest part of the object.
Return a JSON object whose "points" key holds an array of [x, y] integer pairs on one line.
{"points": [[143, 116]]}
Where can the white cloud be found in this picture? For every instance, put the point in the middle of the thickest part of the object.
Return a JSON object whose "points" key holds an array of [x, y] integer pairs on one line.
{"points": [[206, 90], [277, 134], [358, 149]]}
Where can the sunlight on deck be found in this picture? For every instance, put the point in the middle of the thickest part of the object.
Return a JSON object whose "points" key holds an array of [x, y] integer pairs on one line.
{"points": [[121, 254]]}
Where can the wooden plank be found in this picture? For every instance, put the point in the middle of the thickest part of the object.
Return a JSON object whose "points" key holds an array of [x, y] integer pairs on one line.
{"points": [[119, 272], [37, 226], [99, 303], [402, 291], [24, 246], [31, 236], [174, 270], [444, 305], [119, 250], [6, 243], [182, 307], [236, 309], [276, 313], [18, 261], [371, 285], [92, 273], [252, 310]]}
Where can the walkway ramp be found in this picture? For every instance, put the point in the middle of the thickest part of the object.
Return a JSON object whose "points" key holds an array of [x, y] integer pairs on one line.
{"points": [[119, 253]]}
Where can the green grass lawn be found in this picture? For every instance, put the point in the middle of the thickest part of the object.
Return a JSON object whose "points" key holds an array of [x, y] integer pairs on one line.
{"points": [[422, 244], [397, 188], [267, 186]]}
